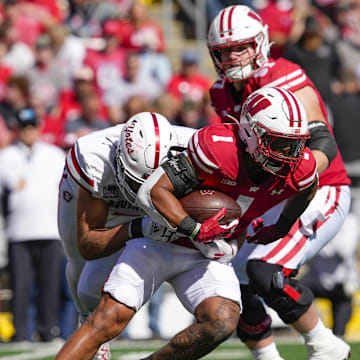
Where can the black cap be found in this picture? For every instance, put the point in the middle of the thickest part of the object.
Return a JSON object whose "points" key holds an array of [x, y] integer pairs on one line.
{"points": [[26, 117]]}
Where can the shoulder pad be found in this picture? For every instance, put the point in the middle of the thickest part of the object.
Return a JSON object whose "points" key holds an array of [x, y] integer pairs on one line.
{"points": [[215, 148]]}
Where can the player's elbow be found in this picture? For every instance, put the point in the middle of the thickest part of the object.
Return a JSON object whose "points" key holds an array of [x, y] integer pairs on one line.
{"points": [[86, 251]]}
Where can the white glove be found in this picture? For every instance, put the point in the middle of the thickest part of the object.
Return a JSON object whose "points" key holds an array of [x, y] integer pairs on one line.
{"points": [[220, 249], [156, 231]]}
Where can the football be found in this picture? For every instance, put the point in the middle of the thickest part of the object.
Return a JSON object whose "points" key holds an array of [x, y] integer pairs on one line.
{"points": [[204, 203]]}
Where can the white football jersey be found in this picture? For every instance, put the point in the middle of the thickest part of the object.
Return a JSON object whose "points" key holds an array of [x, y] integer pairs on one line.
{"points": [[91, 163]]}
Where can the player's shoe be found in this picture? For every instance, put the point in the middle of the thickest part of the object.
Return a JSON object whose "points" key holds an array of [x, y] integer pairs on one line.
{"points": [[103, 353], [330, 347]]}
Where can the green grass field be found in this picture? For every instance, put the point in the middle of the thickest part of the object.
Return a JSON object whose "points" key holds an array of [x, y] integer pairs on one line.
{"points": [[135, 350]]}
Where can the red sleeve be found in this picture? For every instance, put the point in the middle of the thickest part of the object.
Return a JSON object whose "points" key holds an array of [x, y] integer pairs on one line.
{"points": [[306, 173], [215, 149], [282, 73]]}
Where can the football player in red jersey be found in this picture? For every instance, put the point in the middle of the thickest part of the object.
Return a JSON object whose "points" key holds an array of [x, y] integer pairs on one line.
{"points": [[256, 164], [239, 46]]}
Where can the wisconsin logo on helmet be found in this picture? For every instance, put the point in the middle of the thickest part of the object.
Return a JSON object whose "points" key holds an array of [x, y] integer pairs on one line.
{"points": [[257, 103]]}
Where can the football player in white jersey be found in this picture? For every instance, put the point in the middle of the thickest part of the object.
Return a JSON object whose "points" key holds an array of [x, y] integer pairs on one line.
{"points": [[96, 201]]}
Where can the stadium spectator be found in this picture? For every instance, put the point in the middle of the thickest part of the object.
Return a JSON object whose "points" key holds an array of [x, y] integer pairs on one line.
{"points": [[167, 105], [108, 64], [16, 98], [69, 50], [317, 57], [146, 37], [19, 56], [145, 34], [47, 79], [189, 84], [29, 179], [33, 17], [85, 17], [134, 83], [88, 121]]}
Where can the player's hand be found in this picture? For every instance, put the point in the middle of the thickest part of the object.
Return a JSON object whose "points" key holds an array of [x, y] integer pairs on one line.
{"points": [[263, 234], [219, 250], [156, 231], [210, 229]]}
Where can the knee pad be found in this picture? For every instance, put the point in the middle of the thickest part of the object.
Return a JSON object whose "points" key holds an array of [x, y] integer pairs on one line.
{"points": [[254, 323], [287, 296]]}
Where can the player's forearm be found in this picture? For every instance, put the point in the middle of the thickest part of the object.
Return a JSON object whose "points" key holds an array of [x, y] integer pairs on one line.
{"points": [[322, 161], [293, 209], [168, 205], [98, 243]]}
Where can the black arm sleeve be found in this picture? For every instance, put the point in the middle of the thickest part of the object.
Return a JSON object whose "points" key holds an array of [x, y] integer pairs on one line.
{"points": [[321, 139], [181, 174]]}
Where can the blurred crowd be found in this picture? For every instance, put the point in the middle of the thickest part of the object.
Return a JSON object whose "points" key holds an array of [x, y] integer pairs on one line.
{"points": [[83, 65], [86, 65]]}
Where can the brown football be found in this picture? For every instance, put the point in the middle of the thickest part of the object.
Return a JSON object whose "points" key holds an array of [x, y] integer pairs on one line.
{"points": [[204, 203]]}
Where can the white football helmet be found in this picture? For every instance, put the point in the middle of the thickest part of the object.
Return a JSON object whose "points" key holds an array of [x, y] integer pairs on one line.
{"points": [[145, 141], [238, 25], [274, 129]]}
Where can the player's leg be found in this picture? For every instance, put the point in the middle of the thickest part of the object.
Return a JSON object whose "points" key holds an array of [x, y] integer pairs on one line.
{"points": [[139, 271], [67, 231], [92, 279], [210, 290], [104, 324], [254, 327], [293, 303]]}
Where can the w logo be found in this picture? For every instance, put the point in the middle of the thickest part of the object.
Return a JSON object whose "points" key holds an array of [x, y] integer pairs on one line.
{"points": [[258, 103], [206, 192]]}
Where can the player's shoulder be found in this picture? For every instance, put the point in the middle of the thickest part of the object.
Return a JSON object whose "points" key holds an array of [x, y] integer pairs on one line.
{"points": [[98, 141], [215, 148], [306, 172], [217, 133], [280, 72]]}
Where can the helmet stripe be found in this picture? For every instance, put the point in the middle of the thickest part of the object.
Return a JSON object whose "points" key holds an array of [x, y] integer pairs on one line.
{"points": [[255, 16], [157, 140], [222, 23], [297, 108], [229, 20], [258, 103], [291, 112]]}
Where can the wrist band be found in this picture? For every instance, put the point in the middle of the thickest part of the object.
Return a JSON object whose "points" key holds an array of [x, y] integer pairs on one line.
{"points": [[135, 229], [189, 227]]}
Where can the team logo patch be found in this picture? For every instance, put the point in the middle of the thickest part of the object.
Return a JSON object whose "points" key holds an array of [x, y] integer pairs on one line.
{"points": [[111, 191], [67, 196], [226, 181], [277, 192], [206, 192], [254, 189]]}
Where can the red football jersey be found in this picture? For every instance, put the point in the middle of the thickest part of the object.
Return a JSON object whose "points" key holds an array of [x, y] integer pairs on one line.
{"points": [[280, 73], [217, 155]]}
